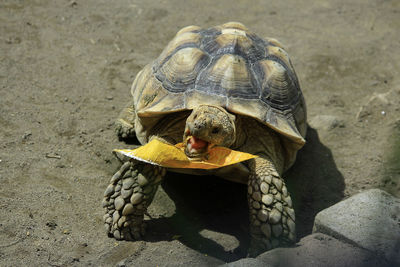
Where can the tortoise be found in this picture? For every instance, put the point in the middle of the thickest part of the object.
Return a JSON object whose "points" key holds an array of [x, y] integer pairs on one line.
{"points": [[221, 86]]}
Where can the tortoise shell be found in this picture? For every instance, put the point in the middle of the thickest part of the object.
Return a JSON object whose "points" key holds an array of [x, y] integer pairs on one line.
{"points": [[227, 66]]}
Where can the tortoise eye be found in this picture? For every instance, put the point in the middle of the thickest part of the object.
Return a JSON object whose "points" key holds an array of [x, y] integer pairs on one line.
{"points": [[215, 130]]}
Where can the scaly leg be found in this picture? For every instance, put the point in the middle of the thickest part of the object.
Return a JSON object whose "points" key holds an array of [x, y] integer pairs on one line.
{"points": [[272, 219], [125, 124], [126, 199]]}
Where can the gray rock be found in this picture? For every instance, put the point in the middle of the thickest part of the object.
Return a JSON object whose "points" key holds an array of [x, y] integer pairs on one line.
{"points": [[320, 250], [370, 220]]}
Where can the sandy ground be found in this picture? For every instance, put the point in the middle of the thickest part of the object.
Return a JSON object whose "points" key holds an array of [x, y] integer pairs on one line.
{"points": [[65, 73]]}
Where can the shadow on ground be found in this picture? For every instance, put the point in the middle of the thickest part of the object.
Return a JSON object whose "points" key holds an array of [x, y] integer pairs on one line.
{"points": [[211, 214]]}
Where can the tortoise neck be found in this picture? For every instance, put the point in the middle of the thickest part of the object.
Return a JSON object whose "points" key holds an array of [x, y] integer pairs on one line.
{"points": [[240, 133]]}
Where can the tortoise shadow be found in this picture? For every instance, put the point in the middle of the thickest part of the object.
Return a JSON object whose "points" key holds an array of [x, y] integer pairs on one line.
{"points": [[220, 207]]}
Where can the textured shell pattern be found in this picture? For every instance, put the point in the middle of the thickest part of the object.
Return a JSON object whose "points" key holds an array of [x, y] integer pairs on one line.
{"points": [[227, 66]]}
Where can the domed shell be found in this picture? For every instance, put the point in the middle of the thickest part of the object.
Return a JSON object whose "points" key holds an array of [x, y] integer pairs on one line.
{"points": [[228, 66]]}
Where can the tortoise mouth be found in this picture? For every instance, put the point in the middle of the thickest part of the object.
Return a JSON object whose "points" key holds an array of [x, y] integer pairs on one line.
{"points": [[196, 148]]}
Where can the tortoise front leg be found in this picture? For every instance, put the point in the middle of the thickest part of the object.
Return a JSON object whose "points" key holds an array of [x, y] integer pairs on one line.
{"points": [[271, 213], [126, 199], [125, 124]]}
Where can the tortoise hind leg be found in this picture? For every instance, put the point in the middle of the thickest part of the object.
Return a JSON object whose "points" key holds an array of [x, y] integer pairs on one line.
{"points": [[271, 213], [126, 199], [125, 124]]}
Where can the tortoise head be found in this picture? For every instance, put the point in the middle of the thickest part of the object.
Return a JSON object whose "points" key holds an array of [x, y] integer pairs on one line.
{"points": [[208, 126]]}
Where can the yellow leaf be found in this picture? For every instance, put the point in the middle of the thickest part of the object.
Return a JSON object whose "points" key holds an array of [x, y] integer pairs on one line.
{"points": [[159, 153]]}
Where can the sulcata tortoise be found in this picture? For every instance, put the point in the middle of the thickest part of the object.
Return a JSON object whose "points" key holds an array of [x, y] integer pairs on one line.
{"points": [[222, 86]]}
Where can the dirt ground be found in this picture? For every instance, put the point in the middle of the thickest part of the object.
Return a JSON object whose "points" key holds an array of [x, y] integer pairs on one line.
{"points": [[65, 73]]}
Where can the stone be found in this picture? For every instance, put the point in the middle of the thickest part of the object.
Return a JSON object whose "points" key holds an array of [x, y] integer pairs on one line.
{"points": [[321, 250], [136, 198], [370, 220], [128, 209], [264, 187], [119, 203], [267, 199], [127, 183], [275, 216], [262, 215]]}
